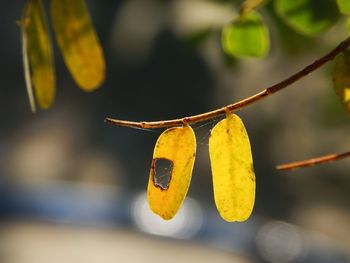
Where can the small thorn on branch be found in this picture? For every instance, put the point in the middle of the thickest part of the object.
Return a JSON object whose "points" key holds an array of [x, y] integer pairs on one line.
{"points": [[313, 161]]}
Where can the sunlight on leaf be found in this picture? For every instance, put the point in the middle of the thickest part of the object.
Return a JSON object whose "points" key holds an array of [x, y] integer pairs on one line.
{"points": [[344, 6], [171, 170], [309, 17], [78, 42], [249, 5], [341, 78], [232, 169], [246, 36], [37, 56]]}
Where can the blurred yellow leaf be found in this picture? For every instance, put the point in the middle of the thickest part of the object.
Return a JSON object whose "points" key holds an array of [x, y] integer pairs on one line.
{"points": [[232, 168], [78, 42], [341, 78], [37, 55], [171, 170]]}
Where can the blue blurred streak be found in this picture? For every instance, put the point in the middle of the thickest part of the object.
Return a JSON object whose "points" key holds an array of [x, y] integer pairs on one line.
{"points": [[67, 204]]}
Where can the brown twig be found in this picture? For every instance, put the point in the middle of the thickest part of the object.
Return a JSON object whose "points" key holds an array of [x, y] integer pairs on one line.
{"points": [[240, 104], [313, 161]]}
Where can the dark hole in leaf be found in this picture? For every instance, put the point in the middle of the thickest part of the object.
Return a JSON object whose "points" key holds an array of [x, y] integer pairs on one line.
{"points": [[162, 170]]}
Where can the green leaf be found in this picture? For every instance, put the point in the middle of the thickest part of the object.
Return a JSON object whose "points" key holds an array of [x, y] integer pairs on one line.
{"points": [[341, 78], [246, 36], [309, 17], [348, 24], [344, 6]]}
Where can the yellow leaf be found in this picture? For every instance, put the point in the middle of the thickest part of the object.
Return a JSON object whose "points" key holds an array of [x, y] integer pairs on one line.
{"points": [[78, 42], [173, 158], [232, 168], [341, 78], [37, 55]]}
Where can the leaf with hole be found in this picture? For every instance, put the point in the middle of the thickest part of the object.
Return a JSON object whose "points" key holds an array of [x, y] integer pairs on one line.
{"points": [[341, 78], [232, 169], [78, 42], [171, 170], [37, 55], [308, 17], [246, 36]]}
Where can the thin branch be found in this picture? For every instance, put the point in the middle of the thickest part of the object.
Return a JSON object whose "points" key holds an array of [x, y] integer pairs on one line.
{"points": [[313, 161], [240, 104]]}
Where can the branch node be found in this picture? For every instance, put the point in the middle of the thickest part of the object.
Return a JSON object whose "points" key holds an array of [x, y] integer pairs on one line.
{"points": [[226, 110], [186, 121]]}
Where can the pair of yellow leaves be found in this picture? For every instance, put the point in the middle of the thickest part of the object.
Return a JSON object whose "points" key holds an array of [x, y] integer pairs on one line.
{"points": [[231, 163], [77, 41]]}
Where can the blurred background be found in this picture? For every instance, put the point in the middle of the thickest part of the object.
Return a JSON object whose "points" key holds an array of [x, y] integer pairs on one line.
{"points": [[72, 188]]}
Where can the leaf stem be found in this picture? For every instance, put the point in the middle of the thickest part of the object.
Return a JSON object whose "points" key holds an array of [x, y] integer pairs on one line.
{"points": [[313, 161], [240, 104]]}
